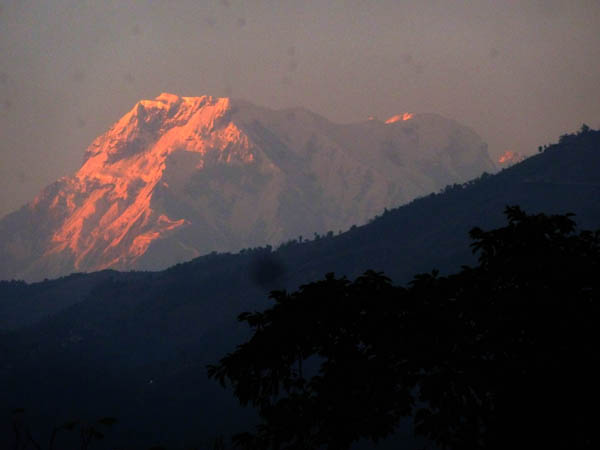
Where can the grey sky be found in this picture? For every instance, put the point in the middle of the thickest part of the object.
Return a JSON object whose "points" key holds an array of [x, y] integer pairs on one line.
{"points": [[519, 72]]}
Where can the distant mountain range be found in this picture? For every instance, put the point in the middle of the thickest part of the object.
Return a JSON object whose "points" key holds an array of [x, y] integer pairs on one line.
{"points": [[135, 345], [179, 177]]}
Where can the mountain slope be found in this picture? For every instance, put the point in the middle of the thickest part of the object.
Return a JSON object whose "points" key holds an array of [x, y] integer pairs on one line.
{"points": [[178, 177], [135, 345]]}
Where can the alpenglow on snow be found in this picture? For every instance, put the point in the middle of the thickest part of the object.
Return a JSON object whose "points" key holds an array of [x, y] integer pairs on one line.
{"points": [[178, 177]]}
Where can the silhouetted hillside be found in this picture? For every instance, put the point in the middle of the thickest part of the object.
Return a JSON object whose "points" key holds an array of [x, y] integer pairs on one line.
{"points": [[135, 345], [490, 357]]}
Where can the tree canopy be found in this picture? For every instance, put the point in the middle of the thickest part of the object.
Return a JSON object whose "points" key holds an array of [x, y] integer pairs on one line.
{"points": [[499, 355]]}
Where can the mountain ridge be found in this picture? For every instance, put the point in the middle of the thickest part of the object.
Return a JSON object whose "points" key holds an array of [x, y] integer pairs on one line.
{"points": [[177, 177]]}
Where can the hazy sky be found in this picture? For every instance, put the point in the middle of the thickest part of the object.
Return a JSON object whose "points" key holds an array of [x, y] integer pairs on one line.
{"points": [[520, 73]]}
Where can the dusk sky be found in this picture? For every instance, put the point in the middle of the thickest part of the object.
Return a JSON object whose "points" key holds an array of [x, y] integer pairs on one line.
{"points": [[520, 73]]}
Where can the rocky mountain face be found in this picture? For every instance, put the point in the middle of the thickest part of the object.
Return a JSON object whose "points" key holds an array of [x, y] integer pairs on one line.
{"points": [[178, 177]]}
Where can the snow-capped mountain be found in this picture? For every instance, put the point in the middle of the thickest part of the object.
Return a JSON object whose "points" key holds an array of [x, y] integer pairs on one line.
{"points": [[177, 177]]}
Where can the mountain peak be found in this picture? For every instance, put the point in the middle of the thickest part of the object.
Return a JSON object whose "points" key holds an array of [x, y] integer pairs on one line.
{"points": [[167, 98], [167, 102], [125, 168], [400, 118], [150, 120], [177, 177]]}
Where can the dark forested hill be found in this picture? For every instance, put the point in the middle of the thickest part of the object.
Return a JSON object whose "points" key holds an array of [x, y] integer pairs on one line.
{"points": [[135, 345]]}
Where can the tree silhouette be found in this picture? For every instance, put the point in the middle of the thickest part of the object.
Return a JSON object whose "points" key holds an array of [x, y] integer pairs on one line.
{"points": [[88, 431], [500, 355]]}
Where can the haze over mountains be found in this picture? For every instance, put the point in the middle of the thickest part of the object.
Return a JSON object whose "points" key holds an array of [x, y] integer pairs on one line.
{"points": [[178, 177]]}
